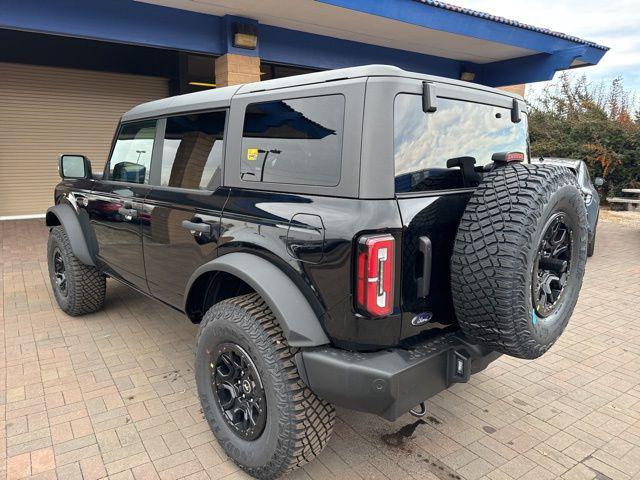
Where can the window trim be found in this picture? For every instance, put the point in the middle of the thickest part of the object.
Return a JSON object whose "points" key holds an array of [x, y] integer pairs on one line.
{"points": [[107, 164], [348, 186], [156, 162]]}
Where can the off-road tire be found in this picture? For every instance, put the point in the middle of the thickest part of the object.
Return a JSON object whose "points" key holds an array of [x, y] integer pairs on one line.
{"points": [[298, 424], [494, 253], [86, 285]]}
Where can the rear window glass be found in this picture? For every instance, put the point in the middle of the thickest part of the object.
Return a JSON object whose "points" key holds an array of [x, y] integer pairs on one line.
{"points": [[423, 142], [296, 141]]}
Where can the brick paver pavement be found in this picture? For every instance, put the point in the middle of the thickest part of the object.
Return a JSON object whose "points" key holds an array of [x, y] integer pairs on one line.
{"points": [[112, 394]]}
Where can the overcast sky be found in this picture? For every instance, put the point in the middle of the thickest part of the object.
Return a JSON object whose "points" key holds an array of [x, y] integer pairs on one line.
{"points": [[613, 23]]}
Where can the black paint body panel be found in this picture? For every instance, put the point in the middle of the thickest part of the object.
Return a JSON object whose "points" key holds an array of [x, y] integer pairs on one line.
{"points": [[269, 223], [436, 217], [309, 237]]}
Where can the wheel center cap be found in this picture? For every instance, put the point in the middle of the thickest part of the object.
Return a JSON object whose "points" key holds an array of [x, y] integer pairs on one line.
{"points": [[246, 386]]}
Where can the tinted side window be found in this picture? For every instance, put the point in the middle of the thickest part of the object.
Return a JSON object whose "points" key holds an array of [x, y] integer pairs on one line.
{"points": [[424, 142], [192, 151], [295, 141], [131, 157]]}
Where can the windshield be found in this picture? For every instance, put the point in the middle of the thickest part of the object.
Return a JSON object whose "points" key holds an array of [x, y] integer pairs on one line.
{"points": [[423, 142]]}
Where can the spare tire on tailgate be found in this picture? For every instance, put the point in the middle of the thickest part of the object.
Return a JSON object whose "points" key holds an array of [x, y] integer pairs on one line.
{"points": [[519, 258]]}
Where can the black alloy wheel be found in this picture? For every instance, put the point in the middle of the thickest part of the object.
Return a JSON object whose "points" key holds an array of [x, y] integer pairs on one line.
{"points": [[552, 267], [239, 391], [60, 272]]}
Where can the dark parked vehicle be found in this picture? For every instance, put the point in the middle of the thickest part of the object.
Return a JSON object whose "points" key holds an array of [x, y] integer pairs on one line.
{"points": [[589, 192], [364, 237]]}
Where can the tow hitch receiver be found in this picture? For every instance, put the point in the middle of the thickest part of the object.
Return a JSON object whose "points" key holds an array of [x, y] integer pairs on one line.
{"points": [[459, 366]]}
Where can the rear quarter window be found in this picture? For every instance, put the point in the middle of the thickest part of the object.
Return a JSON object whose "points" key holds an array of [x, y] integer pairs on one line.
{"points": [[294, 141]]}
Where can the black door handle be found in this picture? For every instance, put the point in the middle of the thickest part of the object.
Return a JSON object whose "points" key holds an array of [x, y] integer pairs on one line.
{"points": [[199, 227], [424, 281], [128, 213]]}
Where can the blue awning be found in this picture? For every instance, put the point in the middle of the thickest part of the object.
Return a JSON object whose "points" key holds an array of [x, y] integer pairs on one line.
{"points": [[425, 36]]}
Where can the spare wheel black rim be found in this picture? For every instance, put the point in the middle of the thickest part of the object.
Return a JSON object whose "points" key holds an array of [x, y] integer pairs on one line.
{"points": [[552, 266], [238, 390], [59, 272]]}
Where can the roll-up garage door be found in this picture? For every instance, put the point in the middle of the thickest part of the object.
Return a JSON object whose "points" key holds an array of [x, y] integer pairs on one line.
{"points": [[46, 111]]}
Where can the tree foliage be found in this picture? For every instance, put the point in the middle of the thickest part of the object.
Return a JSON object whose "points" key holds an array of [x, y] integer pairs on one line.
{"points": [[596, 123]]}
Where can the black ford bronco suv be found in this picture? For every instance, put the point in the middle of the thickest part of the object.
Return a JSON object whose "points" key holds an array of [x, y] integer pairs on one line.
{"points": [[363, 237]]}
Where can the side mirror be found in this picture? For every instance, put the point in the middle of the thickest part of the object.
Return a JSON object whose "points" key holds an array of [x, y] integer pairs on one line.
{"points": [[598, 181], [74, 166]]}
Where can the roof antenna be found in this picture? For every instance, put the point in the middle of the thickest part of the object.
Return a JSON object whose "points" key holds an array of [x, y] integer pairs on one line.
{"points": [[429, 98]]}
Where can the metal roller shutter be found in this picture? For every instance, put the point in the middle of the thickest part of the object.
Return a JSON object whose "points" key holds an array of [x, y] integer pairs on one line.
{"points": [[46, 111]]}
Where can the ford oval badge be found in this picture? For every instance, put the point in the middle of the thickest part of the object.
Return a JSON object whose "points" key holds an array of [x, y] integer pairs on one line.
{"points": [[421, 319]]}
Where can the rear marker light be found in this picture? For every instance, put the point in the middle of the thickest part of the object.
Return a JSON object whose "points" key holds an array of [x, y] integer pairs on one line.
{"points": [[376, 274]]}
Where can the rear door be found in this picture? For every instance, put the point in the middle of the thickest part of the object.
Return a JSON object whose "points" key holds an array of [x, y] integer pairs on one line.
{"points": [[185, 204], [439, 159], [115, 205]]}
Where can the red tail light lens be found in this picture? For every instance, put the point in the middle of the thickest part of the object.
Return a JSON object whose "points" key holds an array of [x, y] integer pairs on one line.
{"points": [[376, 274]]}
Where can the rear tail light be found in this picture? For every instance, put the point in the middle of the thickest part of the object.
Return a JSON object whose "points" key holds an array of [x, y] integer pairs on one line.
{"points": [[375, 274]]}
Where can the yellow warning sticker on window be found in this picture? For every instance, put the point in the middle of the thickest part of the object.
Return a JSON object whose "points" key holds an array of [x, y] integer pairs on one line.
{"points": [[252, 154]]}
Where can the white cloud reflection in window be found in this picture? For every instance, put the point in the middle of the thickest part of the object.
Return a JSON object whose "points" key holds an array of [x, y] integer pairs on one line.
{"points": [[456, 129]]}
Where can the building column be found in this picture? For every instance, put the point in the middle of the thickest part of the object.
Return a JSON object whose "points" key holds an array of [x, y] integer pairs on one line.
{"points": [[232, 69], [517, 89]]}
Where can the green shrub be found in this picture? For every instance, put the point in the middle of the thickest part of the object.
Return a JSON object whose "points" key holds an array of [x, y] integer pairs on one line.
{"points": [[571, 118]]}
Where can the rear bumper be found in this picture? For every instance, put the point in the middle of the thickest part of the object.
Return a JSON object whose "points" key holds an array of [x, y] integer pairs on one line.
{"points": [[389, 383]]}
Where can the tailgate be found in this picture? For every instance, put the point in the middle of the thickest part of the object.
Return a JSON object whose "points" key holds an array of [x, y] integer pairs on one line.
{"points": [[429, 229]]}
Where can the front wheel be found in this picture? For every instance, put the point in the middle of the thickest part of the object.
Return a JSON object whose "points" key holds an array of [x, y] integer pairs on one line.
{"points": [[78, 288], [261, 412]]}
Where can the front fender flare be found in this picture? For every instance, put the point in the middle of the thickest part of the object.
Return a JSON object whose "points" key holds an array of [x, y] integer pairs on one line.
{"points": [[66, 216], [297, 319]]}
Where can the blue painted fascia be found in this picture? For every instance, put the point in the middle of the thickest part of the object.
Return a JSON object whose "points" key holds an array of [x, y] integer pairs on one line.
{"points": [[535, 68], [428, 16], [137, 23], [122, 21], [281, 45]]}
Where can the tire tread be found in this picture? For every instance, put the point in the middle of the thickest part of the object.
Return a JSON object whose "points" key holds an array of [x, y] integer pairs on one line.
{"points": [[89, 284], [489, 264], [312, 419]]}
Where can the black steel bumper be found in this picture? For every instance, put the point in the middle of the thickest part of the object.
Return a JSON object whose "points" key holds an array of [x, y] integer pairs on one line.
{"points": [[390, 382]]}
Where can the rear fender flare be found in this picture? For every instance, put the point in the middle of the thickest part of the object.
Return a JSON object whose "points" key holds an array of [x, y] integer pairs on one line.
{"points": [[70, 220], [297, 319]]}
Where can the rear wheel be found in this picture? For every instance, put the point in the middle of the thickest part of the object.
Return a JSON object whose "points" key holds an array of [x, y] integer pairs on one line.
{"points": [[519, 258], [78, 288], [261, 412]]}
